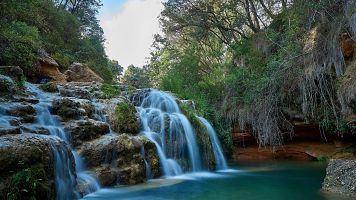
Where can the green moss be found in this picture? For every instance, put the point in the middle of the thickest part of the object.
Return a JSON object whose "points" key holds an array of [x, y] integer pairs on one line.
{"points": [[110, 91], [49, 87], [125, 119], [29, 184]]}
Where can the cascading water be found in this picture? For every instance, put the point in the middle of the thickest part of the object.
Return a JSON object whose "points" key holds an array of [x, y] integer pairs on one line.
{"points": [[65, 179], [178, 152], [219, 156]]}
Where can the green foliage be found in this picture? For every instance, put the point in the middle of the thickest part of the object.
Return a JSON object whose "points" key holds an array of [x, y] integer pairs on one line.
{"points": [[136, 77], [110, 91], [18, 45], [28, 184], [69, 33]]}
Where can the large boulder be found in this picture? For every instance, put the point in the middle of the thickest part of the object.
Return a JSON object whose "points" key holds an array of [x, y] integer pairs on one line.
{"points": [[119, 159], [341, 177], [49, 68], [72, 108], [28, 159], [14, 72], [85, 130], [79, 72]]}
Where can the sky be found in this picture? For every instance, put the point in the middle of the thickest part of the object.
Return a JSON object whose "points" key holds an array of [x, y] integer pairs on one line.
{"points": [[129, 26]]}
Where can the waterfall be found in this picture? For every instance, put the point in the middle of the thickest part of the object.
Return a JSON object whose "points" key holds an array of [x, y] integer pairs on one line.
{"points": [[178, 151], [65, 181], [219, 156]]}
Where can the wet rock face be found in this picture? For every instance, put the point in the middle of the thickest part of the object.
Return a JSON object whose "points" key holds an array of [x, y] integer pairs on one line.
{"points": [[71, 108], [25, 112], [85, 130], [23, 154], [137, 97], [10, 131], [118, 159], [341, 177], [151, 156]]}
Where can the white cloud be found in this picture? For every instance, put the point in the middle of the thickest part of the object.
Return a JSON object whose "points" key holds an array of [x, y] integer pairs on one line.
{"points": [[129, 32]]}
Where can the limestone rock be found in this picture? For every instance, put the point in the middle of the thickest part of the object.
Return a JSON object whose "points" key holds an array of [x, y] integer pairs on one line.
{"points": [[341, 177], [107, 175], [119, 159], [30, 152], [100, 151], [49, 67], [85, 130], [71, 108], [10, 131], [79, 72], [24, 111], [79, 90]]}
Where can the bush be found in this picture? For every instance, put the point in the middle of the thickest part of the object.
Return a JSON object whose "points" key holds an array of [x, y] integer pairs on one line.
{"points": [[27, 184], [19, 44], [110, 91]]}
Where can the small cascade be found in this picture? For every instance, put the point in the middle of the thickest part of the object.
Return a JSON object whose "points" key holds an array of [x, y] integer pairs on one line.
{"points": [[178, 151], [218, 154], [65, 180], [4, 122], [147, 166]]}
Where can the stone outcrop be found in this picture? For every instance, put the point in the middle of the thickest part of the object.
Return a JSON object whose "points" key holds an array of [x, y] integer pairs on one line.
{"points": [[85, 130], [49, 68], [79, 72], [341, 177], [72, 108], [27, 156], [80, 90], [119, 159]]}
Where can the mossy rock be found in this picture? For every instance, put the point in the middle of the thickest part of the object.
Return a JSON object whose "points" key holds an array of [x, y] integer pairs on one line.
{"points": [[7, 86], [49, 87], [125, 119]]}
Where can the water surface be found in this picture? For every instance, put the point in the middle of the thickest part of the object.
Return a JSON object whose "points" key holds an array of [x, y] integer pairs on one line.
{"points": [[250, 181]]}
